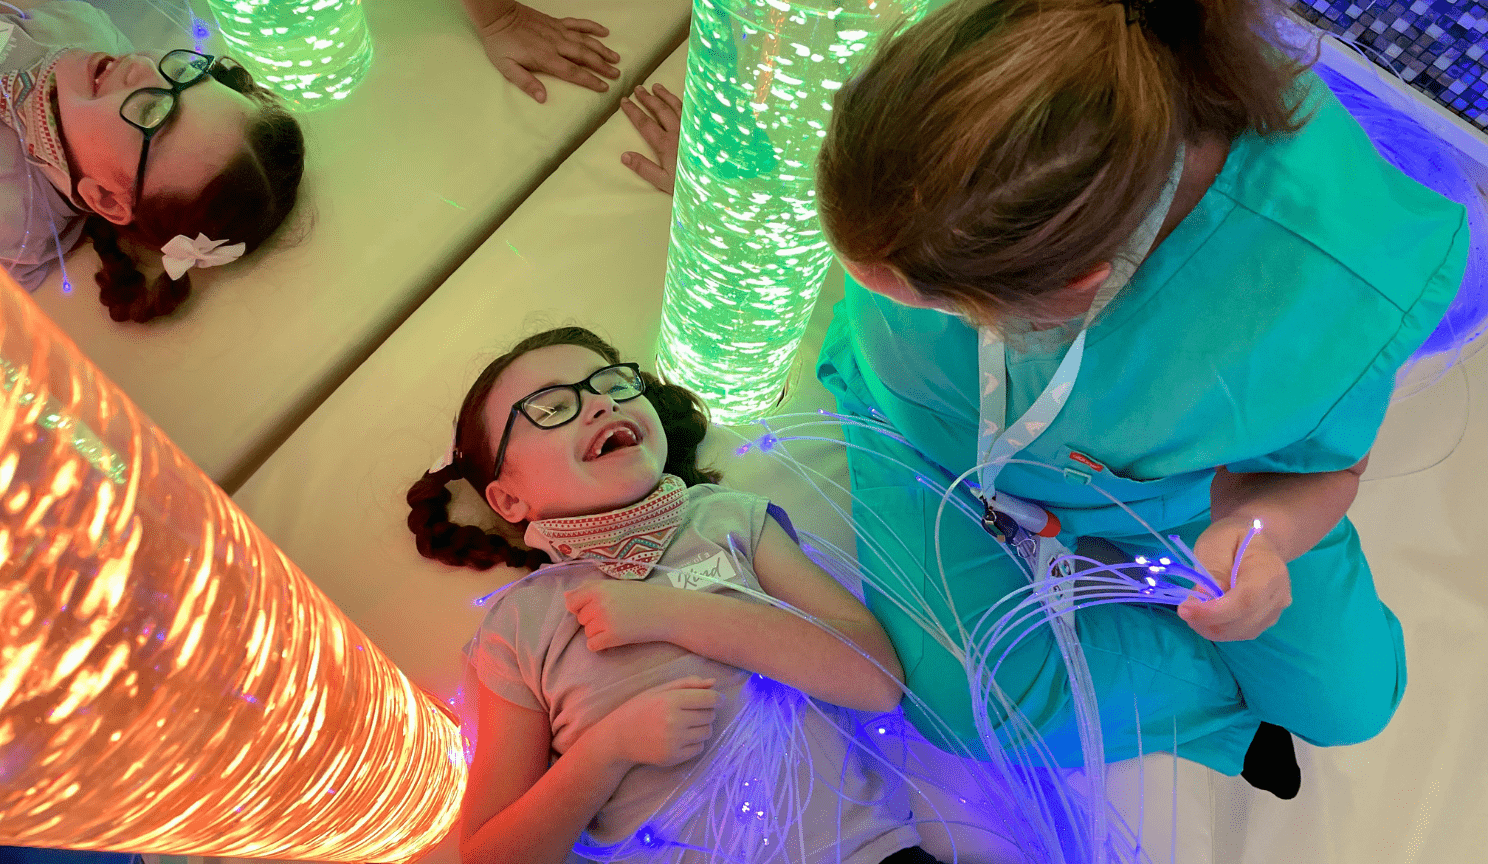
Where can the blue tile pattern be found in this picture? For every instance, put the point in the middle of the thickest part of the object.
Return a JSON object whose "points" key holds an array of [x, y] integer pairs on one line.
{"points": [[1437, 46]]}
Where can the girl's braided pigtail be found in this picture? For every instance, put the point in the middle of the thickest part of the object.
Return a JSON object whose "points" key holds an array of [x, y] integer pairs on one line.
{"points": [[458, 545], [122, 287]]}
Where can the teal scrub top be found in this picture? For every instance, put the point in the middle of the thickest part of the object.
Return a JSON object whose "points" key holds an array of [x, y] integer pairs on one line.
{"points": [[1263, 335]]}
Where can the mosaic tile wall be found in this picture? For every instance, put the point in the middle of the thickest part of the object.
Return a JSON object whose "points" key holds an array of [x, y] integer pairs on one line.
{"points": [[1437, 46]]}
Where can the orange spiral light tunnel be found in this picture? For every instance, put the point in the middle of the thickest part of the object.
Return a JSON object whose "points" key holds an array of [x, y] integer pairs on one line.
{"points": [[169, 681]]}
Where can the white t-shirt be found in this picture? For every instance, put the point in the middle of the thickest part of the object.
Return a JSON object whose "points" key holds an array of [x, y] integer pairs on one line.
{"points": [[778, 780]]}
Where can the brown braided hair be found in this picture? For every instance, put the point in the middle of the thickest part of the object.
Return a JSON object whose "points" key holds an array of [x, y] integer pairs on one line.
{"points": [[245, 203], [684, 420]]}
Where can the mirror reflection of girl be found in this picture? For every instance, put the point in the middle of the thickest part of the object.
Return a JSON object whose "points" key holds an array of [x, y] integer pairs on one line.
{"points": [[179, 153], [604, 684]]}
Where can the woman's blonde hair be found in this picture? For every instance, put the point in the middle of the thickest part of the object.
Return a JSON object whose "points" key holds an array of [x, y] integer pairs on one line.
{"points": [[1001, 149]]}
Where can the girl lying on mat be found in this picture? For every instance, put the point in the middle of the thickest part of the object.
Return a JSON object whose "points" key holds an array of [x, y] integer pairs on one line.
{"points": [[669, 681]]}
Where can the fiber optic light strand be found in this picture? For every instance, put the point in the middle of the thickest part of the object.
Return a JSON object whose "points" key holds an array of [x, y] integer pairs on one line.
{"points": [[743, 801], [1014, 750], [747, 253], [1255, 528], [1089, 584], [169, 681]]}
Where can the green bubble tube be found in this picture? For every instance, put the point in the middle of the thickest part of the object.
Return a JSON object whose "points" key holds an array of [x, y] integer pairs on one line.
{"points": [[747, 255], [311, 52]]}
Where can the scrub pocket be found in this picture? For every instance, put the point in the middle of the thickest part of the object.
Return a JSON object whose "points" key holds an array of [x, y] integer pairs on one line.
{"points": [[1084, 466]]}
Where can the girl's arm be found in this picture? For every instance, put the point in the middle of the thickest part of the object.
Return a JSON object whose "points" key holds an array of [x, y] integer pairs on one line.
{"points": [[519, 809], [773, 642], [516, 808]]}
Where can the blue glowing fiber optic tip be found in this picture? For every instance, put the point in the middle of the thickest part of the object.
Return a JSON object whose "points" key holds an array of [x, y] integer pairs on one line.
{"points": [[648, 837]]}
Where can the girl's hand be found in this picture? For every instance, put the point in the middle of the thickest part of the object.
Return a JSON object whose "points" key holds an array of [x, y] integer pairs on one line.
{"points": [[522, 41], [661, 129], [1261, 590], [616, 612], [663, 726]]}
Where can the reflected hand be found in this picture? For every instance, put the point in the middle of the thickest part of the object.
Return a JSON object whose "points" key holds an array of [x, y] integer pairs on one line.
{"points": [[1262, 587], [661, 128], [524, 40]]}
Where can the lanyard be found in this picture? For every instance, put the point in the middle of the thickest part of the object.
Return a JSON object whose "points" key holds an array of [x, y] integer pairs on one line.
{"points": [[998, 441]]}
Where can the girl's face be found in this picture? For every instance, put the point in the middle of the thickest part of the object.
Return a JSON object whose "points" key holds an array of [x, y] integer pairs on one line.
{"points": [[203, 134], [610, 456]]}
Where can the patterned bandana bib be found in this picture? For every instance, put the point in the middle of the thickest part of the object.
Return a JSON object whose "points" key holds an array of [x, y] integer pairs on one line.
{"points": [[26, 105], [623, 543]]}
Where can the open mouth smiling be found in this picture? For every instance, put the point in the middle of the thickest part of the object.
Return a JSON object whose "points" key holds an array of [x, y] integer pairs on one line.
{"points": [[100, 65], [614, 437]]}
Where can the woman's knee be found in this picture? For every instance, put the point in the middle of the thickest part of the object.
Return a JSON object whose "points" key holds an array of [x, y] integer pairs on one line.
{"points": [[1355, 723], [1348, 647], [1363, 708]]}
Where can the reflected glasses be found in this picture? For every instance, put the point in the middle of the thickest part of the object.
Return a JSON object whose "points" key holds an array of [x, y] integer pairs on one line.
{"points": [[554, 406], [149, 108]]}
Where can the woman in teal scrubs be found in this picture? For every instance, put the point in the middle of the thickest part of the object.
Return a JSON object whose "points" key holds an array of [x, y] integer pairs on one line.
{"points": [[1003, 167]]}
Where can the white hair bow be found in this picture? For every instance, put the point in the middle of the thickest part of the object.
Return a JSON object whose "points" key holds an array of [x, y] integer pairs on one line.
{"points": [[182, 253], [445, 461]]}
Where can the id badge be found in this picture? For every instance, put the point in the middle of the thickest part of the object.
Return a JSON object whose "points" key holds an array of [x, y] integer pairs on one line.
{"points": [[1008, 532]]}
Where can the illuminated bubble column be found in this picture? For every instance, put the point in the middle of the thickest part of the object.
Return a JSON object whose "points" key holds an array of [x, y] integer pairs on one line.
{"points": [[747, 254], [311, 52], [169, 681]]}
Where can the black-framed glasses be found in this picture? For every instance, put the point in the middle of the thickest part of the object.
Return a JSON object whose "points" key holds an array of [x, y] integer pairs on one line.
{"points": [[558, 404], [149, 108]]}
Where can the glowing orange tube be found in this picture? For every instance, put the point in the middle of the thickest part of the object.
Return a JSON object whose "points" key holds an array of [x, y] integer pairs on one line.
{"points": [[169, 681]]}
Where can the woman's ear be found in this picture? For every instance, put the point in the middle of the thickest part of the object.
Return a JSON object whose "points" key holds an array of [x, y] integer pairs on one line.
{"points": [[106, 201], [1091, 280], [1075, 298], [885, 280], [507, 506]]}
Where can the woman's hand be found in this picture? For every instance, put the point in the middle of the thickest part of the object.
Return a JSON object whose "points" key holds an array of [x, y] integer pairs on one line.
{"points": [[663, 726], [661, 129], [521, 40], [616, 612], [1262, 587]]}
